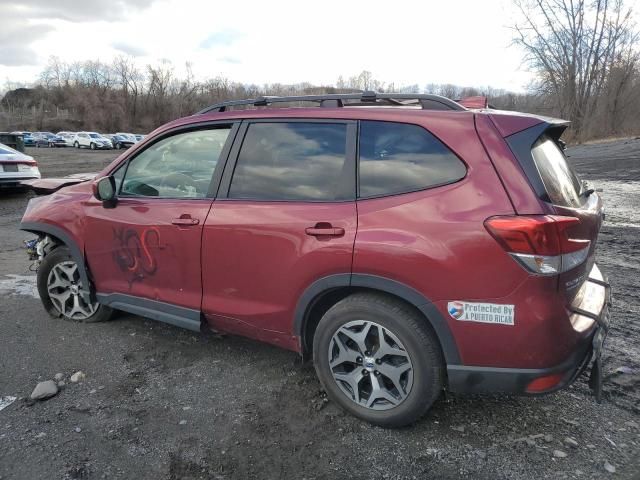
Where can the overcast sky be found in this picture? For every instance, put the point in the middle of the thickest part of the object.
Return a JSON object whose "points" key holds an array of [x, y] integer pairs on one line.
{"points": [[464, 42]]}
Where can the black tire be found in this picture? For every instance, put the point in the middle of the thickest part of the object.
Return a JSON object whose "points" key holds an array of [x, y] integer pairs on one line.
{"points": [[76, 145], [58, 256], [118, 146], [92, 146], [411, 329]]}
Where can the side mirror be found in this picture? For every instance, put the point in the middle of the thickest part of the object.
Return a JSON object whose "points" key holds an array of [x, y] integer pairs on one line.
{"points": [[105, 191]]}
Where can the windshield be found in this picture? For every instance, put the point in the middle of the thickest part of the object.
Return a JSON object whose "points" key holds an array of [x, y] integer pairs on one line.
{"points": [[559, 178], [94, 135]]}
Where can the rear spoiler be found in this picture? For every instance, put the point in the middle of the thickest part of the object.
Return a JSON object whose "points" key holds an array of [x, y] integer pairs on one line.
{"points": [[522, 141]]}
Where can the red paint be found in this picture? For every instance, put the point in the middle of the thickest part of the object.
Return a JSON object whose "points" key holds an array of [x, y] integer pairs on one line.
{"points": [[158, 260], [508, 124], [245, 264], [257, 259]]}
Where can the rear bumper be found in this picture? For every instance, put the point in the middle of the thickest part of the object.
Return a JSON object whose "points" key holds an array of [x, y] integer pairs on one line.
{"points": [[14, 178], [470, 379]]}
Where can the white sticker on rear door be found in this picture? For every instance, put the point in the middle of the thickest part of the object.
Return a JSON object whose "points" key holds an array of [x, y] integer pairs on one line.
{"points": [[482, 312]]}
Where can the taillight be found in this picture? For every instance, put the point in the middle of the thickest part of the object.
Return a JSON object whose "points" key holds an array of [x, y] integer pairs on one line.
{"points": [[28, 167], [540, 243]]}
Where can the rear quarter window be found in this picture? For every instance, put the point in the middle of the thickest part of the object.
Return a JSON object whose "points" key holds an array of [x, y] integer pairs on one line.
{"points": [[399, 158], [560, 179]]}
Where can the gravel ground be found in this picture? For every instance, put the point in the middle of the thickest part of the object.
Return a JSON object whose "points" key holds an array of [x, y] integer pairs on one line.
{"points": [[162, 403]]}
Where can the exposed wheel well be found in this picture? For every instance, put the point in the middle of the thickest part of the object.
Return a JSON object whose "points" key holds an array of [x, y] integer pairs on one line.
{"points": [[323, 302], [61, 237]]}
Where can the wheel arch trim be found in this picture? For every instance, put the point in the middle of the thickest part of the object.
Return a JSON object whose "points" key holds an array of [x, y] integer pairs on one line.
{"points": [[66, 238], [382, 284]]}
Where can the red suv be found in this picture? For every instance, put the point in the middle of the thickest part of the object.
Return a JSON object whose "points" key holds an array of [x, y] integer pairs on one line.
{"points": [[404, 242]]}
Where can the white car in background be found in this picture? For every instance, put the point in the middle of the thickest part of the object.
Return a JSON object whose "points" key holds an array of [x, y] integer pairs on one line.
{"points": [[68, 137], [15, 166], [92, 140]]}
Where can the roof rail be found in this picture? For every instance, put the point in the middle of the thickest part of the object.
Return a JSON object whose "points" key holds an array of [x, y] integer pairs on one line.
{"points": [[337, 100]]}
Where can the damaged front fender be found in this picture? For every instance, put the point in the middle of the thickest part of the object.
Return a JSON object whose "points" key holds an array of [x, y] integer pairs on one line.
{"points": [[45, 186]]}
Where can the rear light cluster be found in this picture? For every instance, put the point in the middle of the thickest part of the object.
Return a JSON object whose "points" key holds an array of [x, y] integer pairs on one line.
{"points": [[28, 167], [540, 243]]}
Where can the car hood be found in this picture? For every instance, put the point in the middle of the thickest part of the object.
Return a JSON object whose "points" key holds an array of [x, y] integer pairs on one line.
{"points": [[45, 186]]}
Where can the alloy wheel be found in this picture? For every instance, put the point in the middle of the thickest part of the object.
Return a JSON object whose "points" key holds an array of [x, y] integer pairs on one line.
{"points": [[65, 290], [370, 365]]}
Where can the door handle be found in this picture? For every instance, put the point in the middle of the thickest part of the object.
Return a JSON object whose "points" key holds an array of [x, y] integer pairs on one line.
{"points": [[324, 231], [185, 219]]}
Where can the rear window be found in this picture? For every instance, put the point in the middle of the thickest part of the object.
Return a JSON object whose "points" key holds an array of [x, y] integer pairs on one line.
{"points": [[560, 179], [398, 158]]}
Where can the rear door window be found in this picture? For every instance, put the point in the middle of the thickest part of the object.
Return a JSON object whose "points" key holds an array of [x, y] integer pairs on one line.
{"points": [[560, 179], [304, 161], [399, 158]]}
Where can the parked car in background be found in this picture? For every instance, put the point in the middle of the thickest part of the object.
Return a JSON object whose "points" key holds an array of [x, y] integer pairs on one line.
{"points": [[16, 166], [405, 243], [120, 141], [68, 137], [27, 138], [48, 139], [139, 136], [91, 140], [130, 136]]}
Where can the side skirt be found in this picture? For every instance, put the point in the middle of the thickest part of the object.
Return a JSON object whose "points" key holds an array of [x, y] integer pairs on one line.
{"points": [[163, 312]]}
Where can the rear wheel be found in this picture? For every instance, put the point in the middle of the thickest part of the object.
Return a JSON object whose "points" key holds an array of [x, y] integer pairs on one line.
{"points": [[62, 292], [378, 359]]}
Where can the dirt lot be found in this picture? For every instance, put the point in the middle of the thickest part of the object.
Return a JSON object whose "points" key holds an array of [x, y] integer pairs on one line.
{"points": [[163, 403]]}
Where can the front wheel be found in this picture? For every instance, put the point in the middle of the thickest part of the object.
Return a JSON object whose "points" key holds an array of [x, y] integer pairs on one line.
{"points": [[62, 292], [92, 146], [378, 359], [77, 145]]}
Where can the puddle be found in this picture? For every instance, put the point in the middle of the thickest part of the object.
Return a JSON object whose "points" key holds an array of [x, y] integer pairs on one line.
{"points": [[621, 202], [19, 285]]}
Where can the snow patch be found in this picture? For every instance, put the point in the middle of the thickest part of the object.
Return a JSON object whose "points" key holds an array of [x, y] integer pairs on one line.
{"points": [[19, 285]]}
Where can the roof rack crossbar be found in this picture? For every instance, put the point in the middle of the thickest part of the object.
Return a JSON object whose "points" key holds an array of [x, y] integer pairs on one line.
{"points": [[426, 101]]}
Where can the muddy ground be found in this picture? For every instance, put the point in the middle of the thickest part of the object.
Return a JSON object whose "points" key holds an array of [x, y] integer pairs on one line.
{"points": [[163, 403]]}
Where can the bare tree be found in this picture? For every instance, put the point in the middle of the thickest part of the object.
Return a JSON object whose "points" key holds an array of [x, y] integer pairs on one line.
{"points": [[573, 45]]}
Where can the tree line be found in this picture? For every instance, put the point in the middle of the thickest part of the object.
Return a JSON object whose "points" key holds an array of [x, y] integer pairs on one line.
{"points": [[584, 53]]}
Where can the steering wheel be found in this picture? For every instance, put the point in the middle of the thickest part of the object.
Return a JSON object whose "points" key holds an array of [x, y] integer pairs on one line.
{"points": [[179, 181]]}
